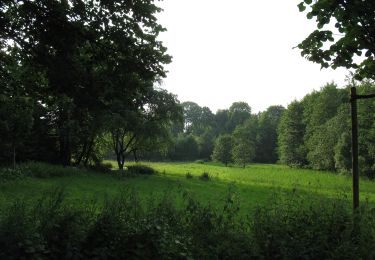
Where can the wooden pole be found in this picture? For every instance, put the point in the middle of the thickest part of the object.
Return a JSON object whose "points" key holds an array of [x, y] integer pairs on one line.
{"points": [[353, 103]]}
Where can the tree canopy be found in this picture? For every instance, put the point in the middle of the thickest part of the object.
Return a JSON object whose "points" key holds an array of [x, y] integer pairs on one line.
{"points": [[83, 66], [345, 35]]}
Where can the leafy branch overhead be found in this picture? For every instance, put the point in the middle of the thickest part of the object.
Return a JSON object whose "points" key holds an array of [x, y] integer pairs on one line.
{"points": [[345, 35]]}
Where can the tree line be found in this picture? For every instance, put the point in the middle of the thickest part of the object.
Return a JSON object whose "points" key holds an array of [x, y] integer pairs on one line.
{"points": [[313, 132], [229, 135], [79, 83]]}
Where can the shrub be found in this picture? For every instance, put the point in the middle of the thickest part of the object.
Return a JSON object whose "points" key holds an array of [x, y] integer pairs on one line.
{"points": [[200, 161], [102, 167], [205, 176], [141, 169], [313, 229], [124, 227], [44, 170], [9, 174], [188, 175]]}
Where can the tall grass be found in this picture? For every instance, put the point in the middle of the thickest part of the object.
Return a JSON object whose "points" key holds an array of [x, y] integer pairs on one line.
{"points": [[125, 227]]}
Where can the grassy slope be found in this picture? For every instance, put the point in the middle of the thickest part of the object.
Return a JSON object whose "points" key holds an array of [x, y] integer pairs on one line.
{"points": [[255, 184]]}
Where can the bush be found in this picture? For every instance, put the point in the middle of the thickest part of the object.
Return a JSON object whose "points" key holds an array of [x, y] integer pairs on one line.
{"points": [[9, 174], [200, 161], [141, 169], [188, 175], [205, 176], [44, 170], [125, 227], [313, 229], [102, 167]]}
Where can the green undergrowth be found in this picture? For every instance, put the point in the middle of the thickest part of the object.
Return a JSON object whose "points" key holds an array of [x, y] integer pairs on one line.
{"points": [[255, 183], [129, 226]]}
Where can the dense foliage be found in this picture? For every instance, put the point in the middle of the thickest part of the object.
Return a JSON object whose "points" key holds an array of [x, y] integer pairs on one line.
{"points": [[315, 132], [205, 135], [78, 77], [345, 35]]}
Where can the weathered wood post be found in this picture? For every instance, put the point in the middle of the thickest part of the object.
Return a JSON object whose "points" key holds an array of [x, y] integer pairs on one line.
{"points": [[353, 102], [355, 174]]}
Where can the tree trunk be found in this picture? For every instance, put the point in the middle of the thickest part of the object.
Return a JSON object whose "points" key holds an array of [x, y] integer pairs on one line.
{"points": [[14, 156], [135, 155], [120, 160], [88, 153], [79, 160], [65, 149]]}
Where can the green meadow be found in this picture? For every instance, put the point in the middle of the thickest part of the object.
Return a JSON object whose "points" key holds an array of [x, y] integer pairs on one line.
{"points": [[255, 185]]}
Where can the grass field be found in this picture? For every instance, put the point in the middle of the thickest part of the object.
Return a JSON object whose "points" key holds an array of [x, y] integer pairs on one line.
{"points": [[255, 185]]}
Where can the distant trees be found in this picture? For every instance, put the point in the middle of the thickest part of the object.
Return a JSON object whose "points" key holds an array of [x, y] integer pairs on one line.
{"points": [[315, 132], [205, 135], [266, 139], [291, 136], [244, 142], [223, 149]]}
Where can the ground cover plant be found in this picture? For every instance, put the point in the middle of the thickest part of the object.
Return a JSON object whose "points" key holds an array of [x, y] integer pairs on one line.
{"points": [[261, 211], [255, 183], [124, 227]]}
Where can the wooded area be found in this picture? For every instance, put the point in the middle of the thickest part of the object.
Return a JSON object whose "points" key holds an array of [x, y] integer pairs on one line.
{"points": [[95, 95]]}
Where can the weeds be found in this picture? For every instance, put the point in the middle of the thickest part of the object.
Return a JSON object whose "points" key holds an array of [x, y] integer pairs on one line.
{"points": [[124, 228], [205, 176]]}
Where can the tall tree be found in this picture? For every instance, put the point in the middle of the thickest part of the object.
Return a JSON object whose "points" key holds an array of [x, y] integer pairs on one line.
{"points": [[223, 149], [244, 142], [131, 128], [89, 53], [292, 150], [239, 112], [266, 150]]}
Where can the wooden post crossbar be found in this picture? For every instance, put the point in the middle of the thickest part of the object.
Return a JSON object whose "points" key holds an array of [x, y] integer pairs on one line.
{"points": [[355, 170]]}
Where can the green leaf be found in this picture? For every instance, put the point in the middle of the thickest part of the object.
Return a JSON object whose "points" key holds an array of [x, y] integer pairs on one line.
{"points": [[301, 7]]}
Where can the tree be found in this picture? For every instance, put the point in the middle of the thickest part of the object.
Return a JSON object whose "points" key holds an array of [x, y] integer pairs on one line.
{"points": [[291, 131], [15, 122], [223, 149], [343, 159], [87, 60], [321, 145], [132, 128], [244, 141], [206, 144], [197, 119], [185, 148], [266, 143], [325, 118], [353, 37], [239, 112], [221, 119]]}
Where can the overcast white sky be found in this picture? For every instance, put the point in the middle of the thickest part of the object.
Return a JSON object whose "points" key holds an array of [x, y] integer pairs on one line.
{"points": [[239, 50]]}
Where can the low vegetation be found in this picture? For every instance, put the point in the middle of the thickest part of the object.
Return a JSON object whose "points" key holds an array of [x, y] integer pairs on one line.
{"points": [[123, 227], [261, 211]]}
